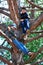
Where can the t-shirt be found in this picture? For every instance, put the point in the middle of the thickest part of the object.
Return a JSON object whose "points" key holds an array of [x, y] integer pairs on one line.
{"points": [[24, 15]]}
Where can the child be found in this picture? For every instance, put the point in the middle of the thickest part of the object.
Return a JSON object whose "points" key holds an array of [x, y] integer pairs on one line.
{"points": [[19, 44], [24, 20], [13, 30]]}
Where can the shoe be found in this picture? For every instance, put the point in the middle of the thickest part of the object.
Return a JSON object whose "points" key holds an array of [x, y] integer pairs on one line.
{"points": [[28, 32], [31, 54]]}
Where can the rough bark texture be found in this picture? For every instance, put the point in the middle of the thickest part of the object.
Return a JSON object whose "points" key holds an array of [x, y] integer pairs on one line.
{"points": [[37, 22], [32, 12], [13, 9], [5, 13], [9, 40]]}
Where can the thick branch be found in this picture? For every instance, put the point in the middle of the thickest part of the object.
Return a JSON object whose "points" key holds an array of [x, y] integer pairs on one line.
{"points": [[6, 61], [37, 22], [13, 11], [9, 40], [16, 7], [35, 5]]}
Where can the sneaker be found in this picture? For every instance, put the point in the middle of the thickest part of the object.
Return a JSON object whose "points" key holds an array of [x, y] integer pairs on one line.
{"points": [[31, 54]]}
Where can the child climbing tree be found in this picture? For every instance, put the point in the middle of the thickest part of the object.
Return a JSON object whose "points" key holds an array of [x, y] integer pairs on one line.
{"points": [[17, 46]]}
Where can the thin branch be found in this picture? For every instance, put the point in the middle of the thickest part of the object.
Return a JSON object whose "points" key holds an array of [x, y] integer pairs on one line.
{"points": [[29, 9], [41, 8], [35, 38], [5, 13], [9, 40], [41, 31], [40, 3], [2, 47], [3, 42], [32, 58], [2, 8], [37, 62], [6, 61]]}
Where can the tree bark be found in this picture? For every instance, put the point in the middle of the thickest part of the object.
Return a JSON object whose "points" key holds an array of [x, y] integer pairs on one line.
{"points": [[13, 11], [32, 11], [37, 22], [16, 8], [9, 40], [41, 8], [5, 13]]}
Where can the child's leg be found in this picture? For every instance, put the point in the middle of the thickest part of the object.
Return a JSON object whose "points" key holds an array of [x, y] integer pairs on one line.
{"points": [[27, 23], [22, 47]]}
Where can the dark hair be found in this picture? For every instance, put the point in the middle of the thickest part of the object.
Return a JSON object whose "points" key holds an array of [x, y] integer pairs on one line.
{"points": [[24, 8]]}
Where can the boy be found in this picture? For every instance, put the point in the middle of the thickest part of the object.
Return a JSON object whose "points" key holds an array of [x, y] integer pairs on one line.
{"points": [[19, 44], [24, 20]]}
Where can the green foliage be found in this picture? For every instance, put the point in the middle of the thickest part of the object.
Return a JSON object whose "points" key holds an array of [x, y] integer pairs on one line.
{"points": [[7, 54], [35, 45], [32, 46]]}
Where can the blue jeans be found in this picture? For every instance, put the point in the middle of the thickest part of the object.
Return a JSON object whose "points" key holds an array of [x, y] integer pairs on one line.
{"points": [[25, 25], [20, 46]]}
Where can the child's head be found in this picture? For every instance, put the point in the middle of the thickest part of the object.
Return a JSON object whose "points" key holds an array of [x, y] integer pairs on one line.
{"points": [[23, 10], [13, 26]]}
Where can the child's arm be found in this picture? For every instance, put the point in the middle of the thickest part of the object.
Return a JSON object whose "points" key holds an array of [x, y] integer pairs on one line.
{"points": [[21, 19], [9, 28]]}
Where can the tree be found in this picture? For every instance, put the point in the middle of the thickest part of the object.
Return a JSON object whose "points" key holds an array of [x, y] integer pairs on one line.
{"points": [[14, 15]]}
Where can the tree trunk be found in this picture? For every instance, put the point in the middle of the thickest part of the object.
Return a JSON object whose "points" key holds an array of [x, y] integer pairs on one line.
{"points": [[32, 12], [13, 10]]}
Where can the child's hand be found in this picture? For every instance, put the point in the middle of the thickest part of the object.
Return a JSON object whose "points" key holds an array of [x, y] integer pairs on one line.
{"points": [[9, 28], [21, 19], [25, 37]]}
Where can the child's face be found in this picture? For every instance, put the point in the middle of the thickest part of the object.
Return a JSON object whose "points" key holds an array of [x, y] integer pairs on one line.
{"points": [[23, 11], [13, 28]]}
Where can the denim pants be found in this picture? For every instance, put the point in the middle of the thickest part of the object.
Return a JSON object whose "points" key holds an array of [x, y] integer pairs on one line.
{"points": [[20, 46]]}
